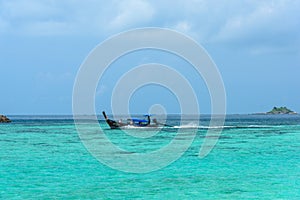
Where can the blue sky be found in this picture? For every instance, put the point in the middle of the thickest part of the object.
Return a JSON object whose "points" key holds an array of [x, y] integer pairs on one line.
{"points": [[255, 44]]}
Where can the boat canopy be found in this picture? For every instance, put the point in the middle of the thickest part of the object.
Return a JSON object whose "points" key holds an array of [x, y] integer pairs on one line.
{"points": [[139, 120]]}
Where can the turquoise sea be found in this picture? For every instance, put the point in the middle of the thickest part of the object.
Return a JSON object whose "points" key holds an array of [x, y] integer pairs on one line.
{"points": [[256, 157]]}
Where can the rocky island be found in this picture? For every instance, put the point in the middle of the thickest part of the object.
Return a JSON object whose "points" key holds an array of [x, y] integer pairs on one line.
{"points": [[281, 110], [4, 119]]}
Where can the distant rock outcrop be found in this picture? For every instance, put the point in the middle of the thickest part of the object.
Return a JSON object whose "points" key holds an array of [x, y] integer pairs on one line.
{"points": [[4, 119], [281, 110]]}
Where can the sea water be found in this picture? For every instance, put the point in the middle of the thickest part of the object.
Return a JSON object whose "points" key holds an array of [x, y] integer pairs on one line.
{"points": [[256, 157]]}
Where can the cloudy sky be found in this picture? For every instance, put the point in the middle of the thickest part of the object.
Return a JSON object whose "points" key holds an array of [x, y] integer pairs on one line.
{"points": [[255, 44]]}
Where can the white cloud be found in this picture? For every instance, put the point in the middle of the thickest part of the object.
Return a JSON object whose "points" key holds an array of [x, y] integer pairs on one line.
{"points": [[32, 17], [183, 26], [51, 17], [206, 21], [20, 9], [186, 27], [266, 20], [69, 17], [131, 13]]}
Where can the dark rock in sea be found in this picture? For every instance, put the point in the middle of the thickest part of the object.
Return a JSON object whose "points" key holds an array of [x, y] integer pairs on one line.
{"points": [[4, 119], [281, 110]]}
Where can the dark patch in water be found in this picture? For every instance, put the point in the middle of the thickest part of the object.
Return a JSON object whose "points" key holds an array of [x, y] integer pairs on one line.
{"points": [[14, 141], [71, 142], [44, 144], [232, 191], [31, 131], [124, 152]]}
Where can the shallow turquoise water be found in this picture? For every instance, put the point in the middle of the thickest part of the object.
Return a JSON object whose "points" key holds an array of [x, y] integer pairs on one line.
{"points": [[256, 157]]}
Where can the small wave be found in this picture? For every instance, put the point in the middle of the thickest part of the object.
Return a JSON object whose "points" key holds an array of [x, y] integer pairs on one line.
{"points": [[195, 126], [203, 127], [141, 127], [190, 126]]}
